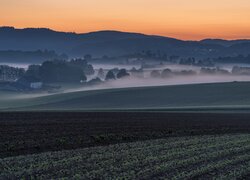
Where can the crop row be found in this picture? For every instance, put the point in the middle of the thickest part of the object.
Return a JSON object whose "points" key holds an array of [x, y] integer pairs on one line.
{"points": [[175, 158]]}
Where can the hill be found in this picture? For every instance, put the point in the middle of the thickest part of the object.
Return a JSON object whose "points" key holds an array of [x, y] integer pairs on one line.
{"points": [[223, 42], [233, 95], [12, 56], [113, 43]]}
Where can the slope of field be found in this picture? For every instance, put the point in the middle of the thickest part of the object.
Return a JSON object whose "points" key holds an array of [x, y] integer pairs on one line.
{"points": [[216, 95], [196, 157]]}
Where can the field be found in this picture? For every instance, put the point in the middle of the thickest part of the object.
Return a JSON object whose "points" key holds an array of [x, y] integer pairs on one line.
{"points": [[198, 157], [35, 132], [215, 96], [176, 132], [130, 145]]}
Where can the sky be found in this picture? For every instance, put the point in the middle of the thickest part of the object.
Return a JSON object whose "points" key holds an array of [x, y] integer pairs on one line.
{"points": [[183, 19]]}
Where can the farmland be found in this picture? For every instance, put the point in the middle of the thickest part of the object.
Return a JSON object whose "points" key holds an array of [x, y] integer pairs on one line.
{"points": [[209, 156], [232, 96], [35, 132], [167, 132]]}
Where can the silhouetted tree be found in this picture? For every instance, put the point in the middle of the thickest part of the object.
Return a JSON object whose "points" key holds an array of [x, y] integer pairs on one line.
{"points": [[95, 81], [155, 74], [8, 73], [33, 71], [87, 57], [122, 73], [110, 75], [61, 71], [166, 73], [83, 64], [101, 73]]}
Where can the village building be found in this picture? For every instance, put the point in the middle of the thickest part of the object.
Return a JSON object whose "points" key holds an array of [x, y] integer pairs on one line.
{"points": [[30, 83]]}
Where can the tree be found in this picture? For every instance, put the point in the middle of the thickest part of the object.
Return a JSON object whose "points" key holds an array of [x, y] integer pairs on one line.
{"points": [[155, 74], [8, 73], [89, 70], [61, 71], [95, 81], [82, 63], [87, 57], [166, 73], [101, 73], [110, 75], [33, 71], [122, 73]]}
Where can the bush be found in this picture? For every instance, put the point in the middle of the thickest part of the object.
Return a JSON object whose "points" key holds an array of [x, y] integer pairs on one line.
{"points": [[122, 73], [110, 76]]}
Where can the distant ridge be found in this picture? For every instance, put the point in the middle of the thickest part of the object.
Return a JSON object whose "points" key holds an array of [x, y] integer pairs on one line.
{"points": [[224, 42], [114, 43]]}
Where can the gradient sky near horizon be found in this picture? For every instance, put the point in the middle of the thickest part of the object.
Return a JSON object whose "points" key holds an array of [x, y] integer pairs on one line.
{"points": [[184, 19]]}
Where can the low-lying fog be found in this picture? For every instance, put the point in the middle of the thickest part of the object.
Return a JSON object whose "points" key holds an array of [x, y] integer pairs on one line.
{"points": [[18, 65], [148, 80], [139, 82]]}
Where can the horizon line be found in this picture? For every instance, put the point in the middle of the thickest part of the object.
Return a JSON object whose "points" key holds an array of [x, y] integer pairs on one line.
{"points": [[121, 31]]}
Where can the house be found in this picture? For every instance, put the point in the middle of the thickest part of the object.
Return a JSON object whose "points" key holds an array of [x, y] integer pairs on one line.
{"points": [[36, 85], [30, 82]]}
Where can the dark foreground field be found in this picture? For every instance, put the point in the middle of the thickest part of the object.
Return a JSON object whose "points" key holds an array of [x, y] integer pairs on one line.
{"points": [[189, 157], [34, 132]]}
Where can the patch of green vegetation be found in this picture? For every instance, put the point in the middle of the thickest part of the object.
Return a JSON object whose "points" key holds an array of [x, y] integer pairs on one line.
{"points": [[200, 96], [194, 157]]}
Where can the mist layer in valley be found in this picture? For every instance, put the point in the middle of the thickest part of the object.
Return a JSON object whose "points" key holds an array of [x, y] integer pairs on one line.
{"points": [[153, 76], [179, 75], [24, 81], [56, 82]]}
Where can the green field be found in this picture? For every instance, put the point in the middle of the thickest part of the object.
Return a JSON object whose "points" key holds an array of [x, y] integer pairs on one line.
{"points": [[233, 95], [194, 157], [128, 145]]}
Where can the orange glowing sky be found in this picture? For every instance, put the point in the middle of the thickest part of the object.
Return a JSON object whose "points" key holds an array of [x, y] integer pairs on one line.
{"points": [[184, 19]]}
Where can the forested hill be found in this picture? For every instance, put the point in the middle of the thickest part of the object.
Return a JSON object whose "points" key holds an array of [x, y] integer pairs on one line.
{"points": [[114, 43]]}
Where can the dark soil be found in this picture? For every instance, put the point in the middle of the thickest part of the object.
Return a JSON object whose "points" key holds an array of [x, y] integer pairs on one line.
{"points": [[35, 132]]}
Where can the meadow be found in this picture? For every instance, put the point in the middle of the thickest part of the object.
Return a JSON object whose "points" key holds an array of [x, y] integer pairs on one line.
{"points": [[233, 95]]}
